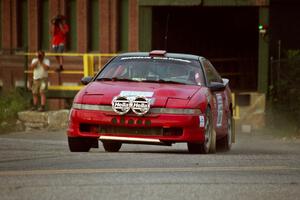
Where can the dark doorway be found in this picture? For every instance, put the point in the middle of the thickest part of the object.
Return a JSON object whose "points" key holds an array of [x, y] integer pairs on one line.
{"points": [[228, 36]]}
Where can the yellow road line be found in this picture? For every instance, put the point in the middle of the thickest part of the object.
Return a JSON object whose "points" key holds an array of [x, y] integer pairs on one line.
{"points": [[143, 170]]}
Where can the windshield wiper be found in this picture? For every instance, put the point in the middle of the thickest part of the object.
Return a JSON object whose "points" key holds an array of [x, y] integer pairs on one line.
{"points": [[162, 81], [104, 79], [115, 79], [124, 79]]}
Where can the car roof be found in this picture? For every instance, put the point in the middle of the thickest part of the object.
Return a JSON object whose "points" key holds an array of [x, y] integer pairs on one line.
{"points": [[170, 55]]}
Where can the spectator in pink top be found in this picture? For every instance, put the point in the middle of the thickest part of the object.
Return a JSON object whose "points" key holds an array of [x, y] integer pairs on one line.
{"points": [[59, 29]]}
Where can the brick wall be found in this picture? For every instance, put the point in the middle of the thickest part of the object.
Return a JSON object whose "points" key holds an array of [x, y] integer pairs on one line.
{"points": [[133, 26], [12, 66]]}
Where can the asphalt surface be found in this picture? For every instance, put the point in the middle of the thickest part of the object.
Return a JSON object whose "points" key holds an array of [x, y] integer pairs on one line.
{"points": [[38, 165]]}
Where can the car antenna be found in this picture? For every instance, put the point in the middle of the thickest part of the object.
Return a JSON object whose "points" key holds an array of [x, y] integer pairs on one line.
{"points": [[166, 32]]}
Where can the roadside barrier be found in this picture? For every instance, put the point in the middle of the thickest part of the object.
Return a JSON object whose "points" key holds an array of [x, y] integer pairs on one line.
{"points": [[235, 108], [91, 64]]}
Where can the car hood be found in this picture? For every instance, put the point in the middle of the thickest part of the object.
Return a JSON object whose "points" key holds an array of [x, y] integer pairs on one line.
{"points": [[160, 93]]}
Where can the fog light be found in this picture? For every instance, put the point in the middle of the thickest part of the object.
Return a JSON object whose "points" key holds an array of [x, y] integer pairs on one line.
{"points": [[114, 121], [122, 120], [139, 122], [148, 123], [130, 121]]}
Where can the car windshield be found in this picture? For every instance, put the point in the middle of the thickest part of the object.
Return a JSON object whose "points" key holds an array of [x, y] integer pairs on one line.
{"points": [[153, 69]]}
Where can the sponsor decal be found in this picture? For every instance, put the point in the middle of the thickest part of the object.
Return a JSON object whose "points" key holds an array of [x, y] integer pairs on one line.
{"points": [[201, 121], [155, 58], [219, 109]]}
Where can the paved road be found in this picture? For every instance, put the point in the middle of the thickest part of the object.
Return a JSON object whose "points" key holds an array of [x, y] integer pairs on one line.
{"points": [[39, 166]]}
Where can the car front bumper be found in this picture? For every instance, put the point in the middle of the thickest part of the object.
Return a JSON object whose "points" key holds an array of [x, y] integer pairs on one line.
{"points": [[130, 128]]}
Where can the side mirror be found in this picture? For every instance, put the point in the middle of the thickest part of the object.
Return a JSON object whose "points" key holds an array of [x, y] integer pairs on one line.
{"points": [[216, 86], [225, 81], [86, 80]]}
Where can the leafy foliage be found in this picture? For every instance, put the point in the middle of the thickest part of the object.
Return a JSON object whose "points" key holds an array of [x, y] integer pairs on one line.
{"points": [[11, 102], [285, 90]]}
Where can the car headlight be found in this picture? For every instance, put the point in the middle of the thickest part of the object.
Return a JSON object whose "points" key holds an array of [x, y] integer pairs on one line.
{"points": [[178, 111], [80, 106], [175, 111]]}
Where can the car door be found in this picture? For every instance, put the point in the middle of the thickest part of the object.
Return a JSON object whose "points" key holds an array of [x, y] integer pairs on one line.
{"points": [[219, 97]]}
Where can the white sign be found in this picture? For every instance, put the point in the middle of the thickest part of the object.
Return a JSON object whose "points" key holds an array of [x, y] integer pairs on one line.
{"points": [[136, 93]]}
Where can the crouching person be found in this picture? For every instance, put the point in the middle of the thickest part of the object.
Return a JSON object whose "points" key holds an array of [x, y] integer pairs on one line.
{"points": [[40, 66]]}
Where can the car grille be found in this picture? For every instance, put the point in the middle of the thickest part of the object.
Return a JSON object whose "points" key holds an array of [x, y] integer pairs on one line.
{"points": [[121, 130]]}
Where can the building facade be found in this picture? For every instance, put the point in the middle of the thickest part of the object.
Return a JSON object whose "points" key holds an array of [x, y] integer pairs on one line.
{"points": [[239, 36]]}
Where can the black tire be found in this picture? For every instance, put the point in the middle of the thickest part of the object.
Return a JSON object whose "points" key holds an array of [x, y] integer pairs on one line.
{"points": [[209, 145], [225, 143], [112, 146], [79, 144]]}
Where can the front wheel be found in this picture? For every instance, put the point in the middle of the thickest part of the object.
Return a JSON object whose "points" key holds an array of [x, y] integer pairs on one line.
{"points": [[225, 143], [209, 144], [111, 146], [81, 144]]}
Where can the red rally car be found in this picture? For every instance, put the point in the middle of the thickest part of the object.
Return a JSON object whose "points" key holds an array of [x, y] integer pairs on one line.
{"points": [[153, 98]]}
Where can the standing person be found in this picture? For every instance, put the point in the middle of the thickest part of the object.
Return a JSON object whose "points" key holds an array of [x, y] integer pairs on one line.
{"points": [[40, 66], [59, 29]]}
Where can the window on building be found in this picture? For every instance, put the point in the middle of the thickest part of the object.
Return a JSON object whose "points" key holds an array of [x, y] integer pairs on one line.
{"points": [[93, 25], [71, 20], [44, 25], [22, 24]]}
